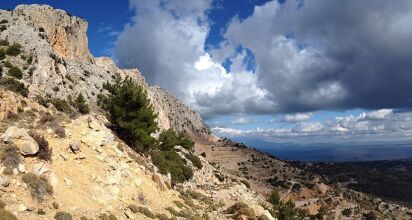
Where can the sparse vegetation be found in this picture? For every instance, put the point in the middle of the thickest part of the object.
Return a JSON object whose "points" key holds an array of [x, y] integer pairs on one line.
{"points": [[3, 28], [61, 105], [171, 162], [14, 86], [10, 156], [169, 139], [63, 216], [14, 50], [195, 160], [81, 105], [144, 210], [130, 113], [44, 152], [39, 186], [2, 54], [4, 42], [15, 72], [105, 216]]}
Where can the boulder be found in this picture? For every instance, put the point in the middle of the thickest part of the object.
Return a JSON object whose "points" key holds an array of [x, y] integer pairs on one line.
{"points": [[23, 141]]}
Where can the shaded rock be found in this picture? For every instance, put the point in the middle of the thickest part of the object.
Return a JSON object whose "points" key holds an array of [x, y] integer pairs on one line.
{"points": [[40, 168], [4, 181], [75, 147], [23, 141]]}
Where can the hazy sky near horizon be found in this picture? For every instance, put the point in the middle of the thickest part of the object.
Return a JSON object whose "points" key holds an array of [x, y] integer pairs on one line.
{"points": [[281, 71]]}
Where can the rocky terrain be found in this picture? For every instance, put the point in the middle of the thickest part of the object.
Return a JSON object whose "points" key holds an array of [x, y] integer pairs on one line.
{"points": [[59, 164]]}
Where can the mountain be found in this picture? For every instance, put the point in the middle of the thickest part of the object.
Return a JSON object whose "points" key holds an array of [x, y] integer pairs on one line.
{"points": [[59, 164]]}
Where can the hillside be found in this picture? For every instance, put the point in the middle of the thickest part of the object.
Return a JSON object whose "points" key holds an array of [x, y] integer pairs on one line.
{"points": [[59, 161]]}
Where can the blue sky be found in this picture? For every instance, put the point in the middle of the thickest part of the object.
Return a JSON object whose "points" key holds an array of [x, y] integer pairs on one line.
{"points": [[277, 71]]}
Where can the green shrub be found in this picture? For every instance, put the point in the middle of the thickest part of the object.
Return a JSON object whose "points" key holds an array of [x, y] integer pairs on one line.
{"points": [[44, 153], [4, 43], [4, 21], [3, 28], [171, 162], [40, 211], [105, 216], [203, 154], [16, 72], [195, 160], [130, 113], [30, 59], [61, 105], [39, 187], [169, 139], [63, 216], [81, 105], [14, 50], [2, 54], [14, 85], [145, 211], [274, 198]]}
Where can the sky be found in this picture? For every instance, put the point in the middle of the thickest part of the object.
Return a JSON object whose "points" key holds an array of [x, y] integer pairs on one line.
{"points": [[289, 71]]}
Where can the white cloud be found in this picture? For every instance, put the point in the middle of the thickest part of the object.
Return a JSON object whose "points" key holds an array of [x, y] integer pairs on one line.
{"points": [[297, 117], [390, 126]]}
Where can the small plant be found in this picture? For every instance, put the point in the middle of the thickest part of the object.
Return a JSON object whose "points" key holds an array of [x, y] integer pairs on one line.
{"points": [[59, 131], [4, 21], [38, 186], [2, 54], [81, 105], [30, 59], [14, 50], [15, 72], [3, 28], [4, 43], [44, 152], [105, 216], [10, 156], [169, 139], [61, 105], [144, 210], [203, 154], [56, 89], [171, 162], [195, 160], [40, 211], [14, 86], [63, 216]]}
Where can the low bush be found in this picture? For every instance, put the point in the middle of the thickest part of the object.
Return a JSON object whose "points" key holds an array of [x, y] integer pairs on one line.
{"points": [[44, 152], [3, 28], [61, 105], [63, 216], [145, 211], [59, 131], [203, 154], [14, 86], [39, 186], [4, 21], [10, 156], [15, 72], [169, 139], [14, 50], [105, 216], [2, 54], [171, 162], [195, 160], [81, 105], [4, 43]]}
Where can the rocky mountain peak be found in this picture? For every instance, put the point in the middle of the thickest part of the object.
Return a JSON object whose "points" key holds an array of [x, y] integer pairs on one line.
{"points": [[67, 34]]}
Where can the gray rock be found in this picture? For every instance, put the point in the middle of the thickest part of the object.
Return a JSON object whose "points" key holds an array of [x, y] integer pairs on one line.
{"points": [[23, 141], [4, 181], [75, 147]]}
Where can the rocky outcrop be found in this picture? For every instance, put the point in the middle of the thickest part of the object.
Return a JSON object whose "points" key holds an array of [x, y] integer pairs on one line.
{"points": [[66, 33], [23, 141]]}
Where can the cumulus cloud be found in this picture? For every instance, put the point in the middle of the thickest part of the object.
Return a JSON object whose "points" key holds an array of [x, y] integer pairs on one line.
{"points": [[297, 117], [166, 40], [367, 126], [306, 57], [328, 55]]}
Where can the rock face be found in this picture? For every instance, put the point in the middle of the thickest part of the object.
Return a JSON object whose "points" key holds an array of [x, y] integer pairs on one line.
{"points": [[19, 137], [63, 66], [66, 33]]}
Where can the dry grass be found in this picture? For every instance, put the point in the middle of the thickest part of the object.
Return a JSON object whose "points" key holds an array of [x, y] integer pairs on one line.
{"points": [[39, 186]]}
